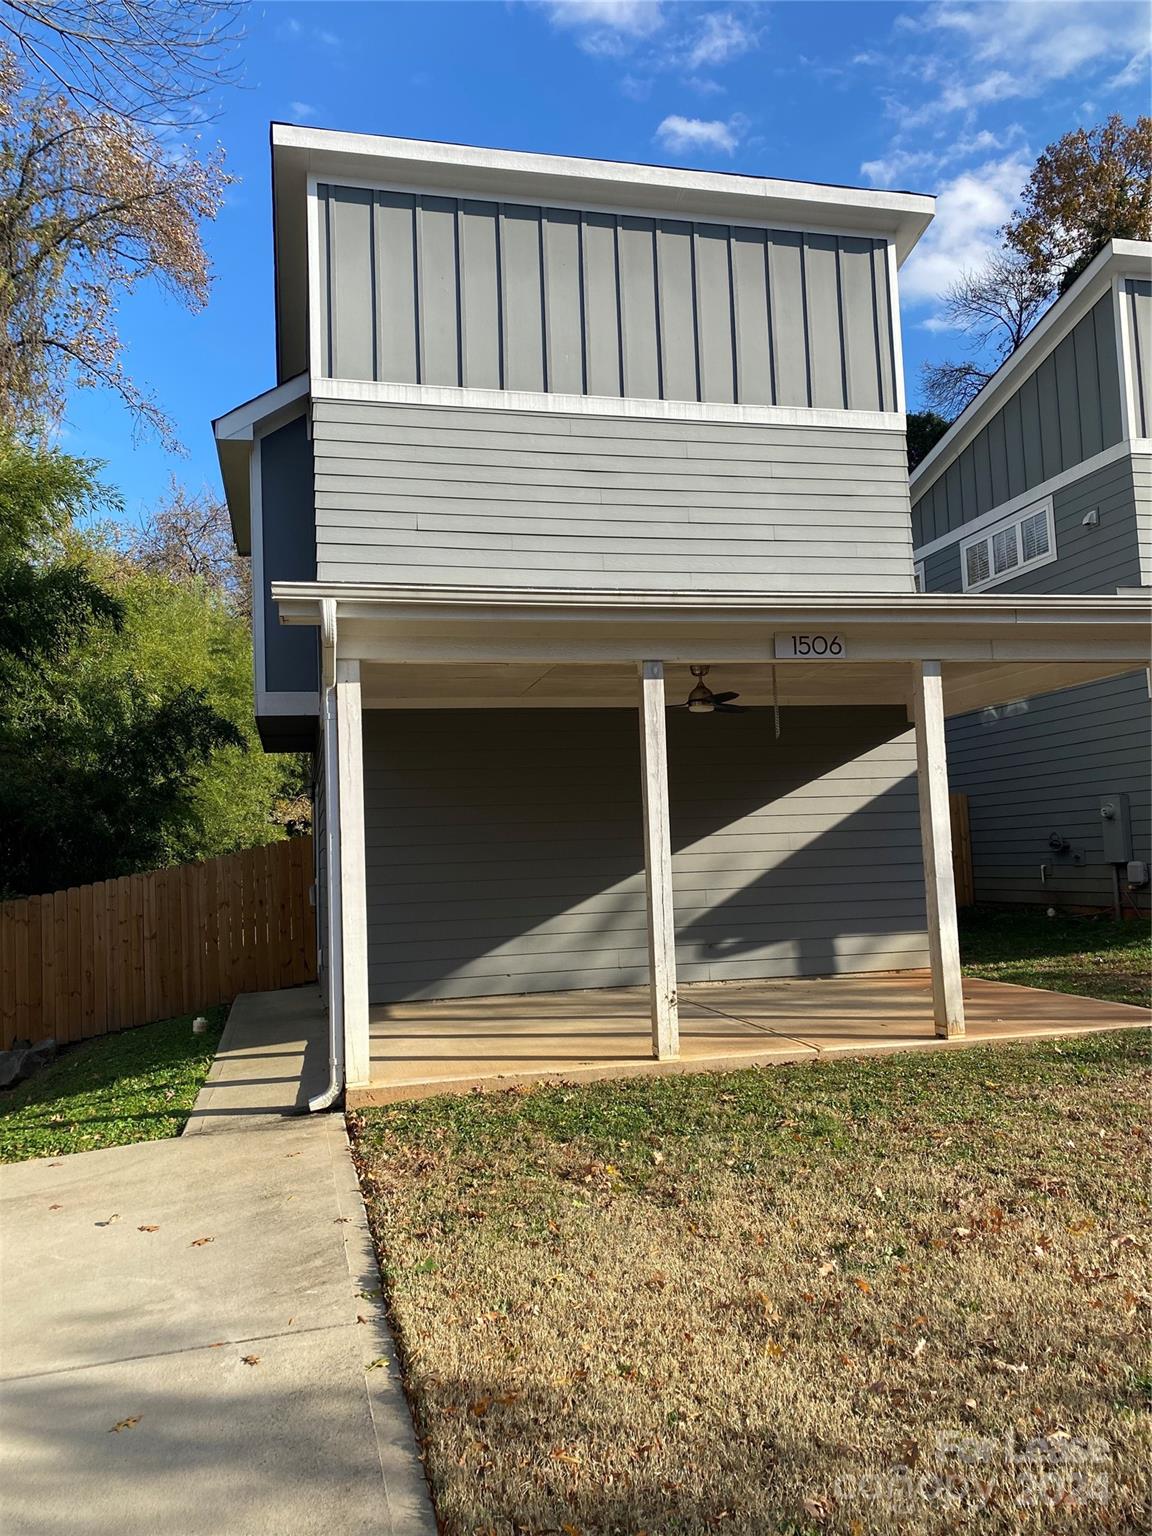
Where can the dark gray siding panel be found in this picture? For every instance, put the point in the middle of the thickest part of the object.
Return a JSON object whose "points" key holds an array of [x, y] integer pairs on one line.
{"points": [[432, 494], [435, 290], [320, 858], [504, 850], [288, 543], [1098, 558], [1138, 297], [1066, 410], [1042, 770]]}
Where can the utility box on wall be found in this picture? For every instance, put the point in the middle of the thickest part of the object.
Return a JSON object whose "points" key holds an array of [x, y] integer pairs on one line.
{"points": [[1115, 828]]}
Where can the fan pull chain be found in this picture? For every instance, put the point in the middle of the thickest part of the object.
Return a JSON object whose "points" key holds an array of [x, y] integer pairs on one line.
{"points": [[775, 706]]}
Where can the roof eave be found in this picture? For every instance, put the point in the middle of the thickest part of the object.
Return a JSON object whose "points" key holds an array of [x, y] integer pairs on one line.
{"points": [[1119, 258]]}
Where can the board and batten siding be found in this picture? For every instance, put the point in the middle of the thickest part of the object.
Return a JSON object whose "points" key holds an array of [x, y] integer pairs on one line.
{"points": [[487, 497], [1098, 558], [424, 289], [1041, 767], [1138, 299], [1065, 411], [505, 848]]}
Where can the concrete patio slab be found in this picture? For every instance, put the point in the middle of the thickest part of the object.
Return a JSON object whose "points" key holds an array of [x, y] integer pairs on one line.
{"points": [[187, 1343], [454, 1046]]}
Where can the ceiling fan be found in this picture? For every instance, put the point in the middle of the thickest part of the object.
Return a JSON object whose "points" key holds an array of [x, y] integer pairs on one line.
{"points": [[702, 701]]}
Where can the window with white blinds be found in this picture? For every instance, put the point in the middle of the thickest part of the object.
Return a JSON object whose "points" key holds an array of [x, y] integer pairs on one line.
{"points": [[1009, 548]]}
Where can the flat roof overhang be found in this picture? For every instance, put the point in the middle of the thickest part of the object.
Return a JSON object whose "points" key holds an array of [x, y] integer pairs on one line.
{"points": [[475, 171], [486, 647]]}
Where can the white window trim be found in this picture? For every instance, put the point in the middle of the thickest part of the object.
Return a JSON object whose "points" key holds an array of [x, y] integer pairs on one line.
{"points": [[986, 535], [918, 575]]}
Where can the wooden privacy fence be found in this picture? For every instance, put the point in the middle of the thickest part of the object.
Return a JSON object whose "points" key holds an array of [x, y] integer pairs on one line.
{"points": [[99, 958], [961, 850]]}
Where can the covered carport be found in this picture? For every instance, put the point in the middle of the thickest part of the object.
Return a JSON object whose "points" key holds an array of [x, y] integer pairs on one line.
{"points": [[399, 648]]}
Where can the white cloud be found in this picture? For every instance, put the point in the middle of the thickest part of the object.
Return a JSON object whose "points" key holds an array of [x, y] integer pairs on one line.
{"points": [[722, 37], [635, 88], [703, 86], [633, 18], [1018, 48], [970, 210], [899, 165], [682, 133], [301, 111]]}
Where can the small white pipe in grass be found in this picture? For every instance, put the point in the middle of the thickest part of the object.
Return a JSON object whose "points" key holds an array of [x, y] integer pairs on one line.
{"points": [[200, 1025], [334, 967]]}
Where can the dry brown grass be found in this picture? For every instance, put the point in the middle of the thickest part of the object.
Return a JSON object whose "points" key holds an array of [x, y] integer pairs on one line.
{"points": [[738, 1303]]}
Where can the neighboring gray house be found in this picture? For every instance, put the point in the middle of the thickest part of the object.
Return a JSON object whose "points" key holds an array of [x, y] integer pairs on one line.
{"points": [[1044, 484], [550, 437]]}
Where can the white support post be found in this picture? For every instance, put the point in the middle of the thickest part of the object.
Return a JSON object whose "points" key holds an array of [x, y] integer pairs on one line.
{"points": [[353, 898], [936, 840], [658, 863]]}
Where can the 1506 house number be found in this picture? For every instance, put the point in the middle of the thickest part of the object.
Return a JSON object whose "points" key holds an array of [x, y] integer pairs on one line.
{"points": [[810, 647]]}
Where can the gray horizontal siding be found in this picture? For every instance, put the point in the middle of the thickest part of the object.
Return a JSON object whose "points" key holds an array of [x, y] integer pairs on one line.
{"points": [[1142, 494], [1066, 410], [439, 290], [1030, 774], [1099, 558], [1138, 297], [504, 849], [419, 494]]}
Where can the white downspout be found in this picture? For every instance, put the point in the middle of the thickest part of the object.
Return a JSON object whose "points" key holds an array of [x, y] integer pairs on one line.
{"points": [[334, 949]]}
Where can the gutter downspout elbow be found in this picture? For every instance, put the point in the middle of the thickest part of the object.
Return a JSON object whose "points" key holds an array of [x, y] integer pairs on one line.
{"points": [[334, 968]]}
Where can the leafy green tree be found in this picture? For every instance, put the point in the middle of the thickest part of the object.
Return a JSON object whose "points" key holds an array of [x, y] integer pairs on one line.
{"points": [[1090, 186], [126, 733], [924, 429]]}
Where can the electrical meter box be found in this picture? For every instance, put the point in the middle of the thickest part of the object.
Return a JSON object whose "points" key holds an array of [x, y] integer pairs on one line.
{"points": [[1116, 828]]}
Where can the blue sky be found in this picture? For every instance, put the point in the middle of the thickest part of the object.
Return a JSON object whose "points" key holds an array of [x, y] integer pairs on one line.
{"points": [[954, 98]]}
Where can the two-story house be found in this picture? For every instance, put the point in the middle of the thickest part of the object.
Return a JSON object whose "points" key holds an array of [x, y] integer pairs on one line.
{"points": [[1044, 484], [581, 556]]}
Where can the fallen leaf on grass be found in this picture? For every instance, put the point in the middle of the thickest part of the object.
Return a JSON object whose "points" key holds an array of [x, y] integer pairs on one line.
{"points": [[124, 1424], [862, 1285], [199, 1242], [567, 1458]]}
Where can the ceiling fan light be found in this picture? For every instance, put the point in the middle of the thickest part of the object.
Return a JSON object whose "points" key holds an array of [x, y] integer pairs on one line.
{"points": [[700, 706]]}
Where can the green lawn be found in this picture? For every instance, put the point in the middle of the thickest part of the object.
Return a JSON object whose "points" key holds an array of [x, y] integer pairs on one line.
{"points": [[1090, 956], [135, 1086], [774, 1301], [770, 1301]]}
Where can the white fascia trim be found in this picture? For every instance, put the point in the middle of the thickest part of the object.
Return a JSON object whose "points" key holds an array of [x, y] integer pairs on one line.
{"points": [[373, 392], [240, 423], [1037, 493], [817, 225], [907, 214], [1118, 258], [303, 600]]}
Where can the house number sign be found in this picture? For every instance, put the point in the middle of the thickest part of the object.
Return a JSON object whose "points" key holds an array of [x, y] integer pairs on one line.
{"points": [[810, 646]]}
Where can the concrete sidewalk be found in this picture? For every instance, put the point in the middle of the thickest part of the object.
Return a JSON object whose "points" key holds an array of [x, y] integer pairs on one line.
{"points": [[187, 1342]]}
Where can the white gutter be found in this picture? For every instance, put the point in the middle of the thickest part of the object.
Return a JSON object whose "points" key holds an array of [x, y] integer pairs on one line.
{"points": [[334, 954]]}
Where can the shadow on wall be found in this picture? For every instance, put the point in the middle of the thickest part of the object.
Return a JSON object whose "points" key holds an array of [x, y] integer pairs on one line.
{"points": [[505, 848]]}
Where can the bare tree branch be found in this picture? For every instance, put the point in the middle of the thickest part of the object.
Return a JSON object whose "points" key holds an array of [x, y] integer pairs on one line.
{"points": [[159, 62], [994, 308], [91, 204]]}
